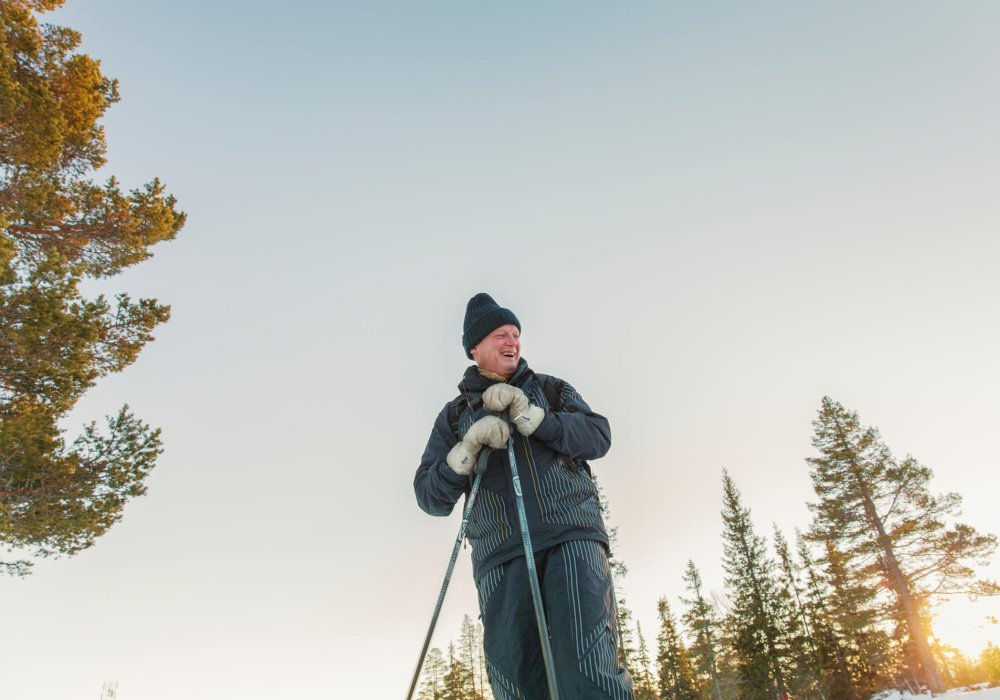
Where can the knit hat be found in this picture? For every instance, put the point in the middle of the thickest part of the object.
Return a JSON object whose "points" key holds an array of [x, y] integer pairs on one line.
{"points": [[483, 315]]}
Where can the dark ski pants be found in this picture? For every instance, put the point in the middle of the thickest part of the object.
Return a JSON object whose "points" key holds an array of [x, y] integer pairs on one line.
{"points": [[578, 599]]}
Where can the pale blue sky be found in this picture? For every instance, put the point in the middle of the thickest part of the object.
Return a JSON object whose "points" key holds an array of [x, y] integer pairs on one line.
{"points": [[706, 216]]}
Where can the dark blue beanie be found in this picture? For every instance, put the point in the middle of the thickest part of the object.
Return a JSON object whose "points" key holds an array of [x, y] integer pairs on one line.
{"points": [[482, 316]]}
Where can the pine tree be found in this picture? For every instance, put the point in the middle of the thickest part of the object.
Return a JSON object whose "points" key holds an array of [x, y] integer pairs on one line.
{"points": [[702, 624], [627, 645], [471, 655], [457, 681], [467, 652], [623, 613], [957, 669], [753, 626], [676, 676], [432, 684], [59, 229], [485, 691], [644, 683], [801, 652], [826, 639], [890, 528], [857, 615], [989, 661]]}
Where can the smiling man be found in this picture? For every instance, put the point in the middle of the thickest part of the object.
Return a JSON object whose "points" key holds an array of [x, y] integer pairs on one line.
{"points": [[555, 433]]}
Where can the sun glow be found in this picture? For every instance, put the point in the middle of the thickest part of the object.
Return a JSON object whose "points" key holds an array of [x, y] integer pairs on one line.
{"points": [[968, 626]]}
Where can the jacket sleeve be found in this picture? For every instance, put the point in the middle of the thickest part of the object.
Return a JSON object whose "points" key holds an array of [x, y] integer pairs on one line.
{"points": [[437, 487], [575, 430]]}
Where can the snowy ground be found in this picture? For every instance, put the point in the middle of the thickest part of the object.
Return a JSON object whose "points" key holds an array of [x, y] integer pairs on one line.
{"points": [[957, 694]]}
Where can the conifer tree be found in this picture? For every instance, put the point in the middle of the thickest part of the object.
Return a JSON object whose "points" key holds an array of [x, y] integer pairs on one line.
{"points": [[627, 645], [891, 530], [485, 691], [471, 653], [727, 659], [59, 228], [859, 616], [826, 637], [676, 677], [432, 680], [957, 669], [644, 684], [457, 681], [989, 660], [801, 653], [753, 626], [701, 621]]}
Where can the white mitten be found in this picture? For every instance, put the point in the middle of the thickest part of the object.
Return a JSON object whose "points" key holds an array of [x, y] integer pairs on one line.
{"points": [[488, 430], [498, 397], [525, 416], [527, 422], [462, 457]]}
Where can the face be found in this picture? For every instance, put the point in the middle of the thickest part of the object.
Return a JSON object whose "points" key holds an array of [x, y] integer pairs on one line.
{"points": [[500, 351]]}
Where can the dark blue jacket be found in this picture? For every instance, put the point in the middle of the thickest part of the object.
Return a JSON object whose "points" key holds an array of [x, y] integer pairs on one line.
{"points": [[560, 498]]}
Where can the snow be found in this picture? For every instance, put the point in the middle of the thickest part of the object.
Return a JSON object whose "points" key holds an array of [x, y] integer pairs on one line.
{"points": [[976, 692]]}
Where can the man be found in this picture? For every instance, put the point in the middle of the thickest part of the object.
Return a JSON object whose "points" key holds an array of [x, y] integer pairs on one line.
{"points": [[554, 433]]}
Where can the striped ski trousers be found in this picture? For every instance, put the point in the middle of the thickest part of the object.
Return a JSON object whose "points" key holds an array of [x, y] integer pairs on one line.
{"points": [[578, 599]]}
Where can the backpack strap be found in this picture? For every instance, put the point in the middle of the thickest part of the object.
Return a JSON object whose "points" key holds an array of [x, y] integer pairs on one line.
{"points": [[555, 394], [455, 407]]}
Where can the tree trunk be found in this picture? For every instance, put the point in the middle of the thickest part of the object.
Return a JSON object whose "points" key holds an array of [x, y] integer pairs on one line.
{"points": [[914, 622]]}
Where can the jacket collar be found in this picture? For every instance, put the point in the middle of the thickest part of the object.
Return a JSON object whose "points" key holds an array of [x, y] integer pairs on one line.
{"points": [[474, 382]]}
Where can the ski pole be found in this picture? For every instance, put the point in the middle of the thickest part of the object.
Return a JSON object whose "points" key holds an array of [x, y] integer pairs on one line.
{"points": [[480, 469], [536, 594]]}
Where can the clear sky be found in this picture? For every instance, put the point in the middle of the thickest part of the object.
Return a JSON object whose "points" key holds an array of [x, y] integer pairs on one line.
{"points": [[706, 215]]}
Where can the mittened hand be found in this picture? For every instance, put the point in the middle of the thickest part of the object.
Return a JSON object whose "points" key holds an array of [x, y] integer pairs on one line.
{"points": [[503, 396], [462, 457], [488, 430], [527, 422], [525, 416]]}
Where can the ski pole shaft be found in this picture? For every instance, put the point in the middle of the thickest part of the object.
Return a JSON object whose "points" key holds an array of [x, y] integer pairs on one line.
{"points": [[536, 593], [480, 469]]}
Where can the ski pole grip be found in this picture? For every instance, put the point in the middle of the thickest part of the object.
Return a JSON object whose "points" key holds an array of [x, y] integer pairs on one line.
{"points": [[484, 457]]}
